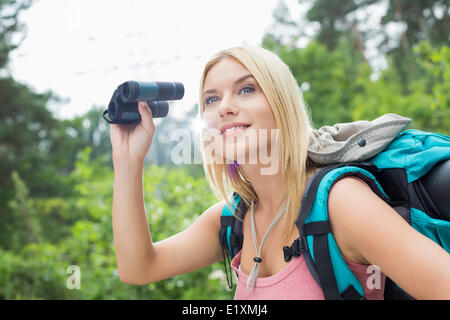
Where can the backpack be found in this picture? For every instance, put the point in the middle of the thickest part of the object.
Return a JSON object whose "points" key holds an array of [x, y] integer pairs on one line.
{"points": [[411, 174]]}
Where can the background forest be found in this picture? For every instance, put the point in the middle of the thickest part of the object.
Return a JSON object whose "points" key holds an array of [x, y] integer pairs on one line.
{"points": [[56, 176]]}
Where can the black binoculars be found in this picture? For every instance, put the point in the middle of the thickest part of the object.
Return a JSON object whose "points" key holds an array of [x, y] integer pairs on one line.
{"points": [[123, 107]]}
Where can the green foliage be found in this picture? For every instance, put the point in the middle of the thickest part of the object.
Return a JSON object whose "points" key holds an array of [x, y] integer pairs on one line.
{"points": [[424, 20], [332, 17], [26, 227], [426, 101], [338, 86], [380, 28], [327, 78], [39, 270]]}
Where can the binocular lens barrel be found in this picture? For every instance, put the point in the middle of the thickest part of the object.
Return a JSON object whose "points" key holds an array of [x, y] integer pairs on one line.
{"points": [[132, 91]]}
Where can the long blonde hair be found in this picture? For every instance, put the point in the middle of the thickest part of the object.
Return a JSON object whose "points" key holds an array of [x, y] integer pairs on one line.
{"points": [[292, 119]]}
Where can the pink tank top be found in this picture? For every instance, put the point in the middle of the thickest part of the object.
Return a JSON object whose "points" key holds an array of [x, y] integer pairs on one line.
{"points": [[295, 282]]}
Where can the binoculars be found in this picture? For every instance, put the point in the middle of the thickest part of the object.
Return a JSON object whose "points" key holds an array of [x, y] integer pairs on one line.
{"points": [[123, 107]]}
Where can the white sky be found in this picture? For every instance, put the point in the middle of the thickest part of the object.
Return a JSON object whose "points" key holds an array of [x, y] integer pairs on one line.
{"points": [[82, 50]]}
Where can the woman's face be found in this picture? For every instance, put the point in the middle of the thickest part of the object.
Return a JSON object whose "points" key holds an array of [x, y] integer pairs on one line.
{"points": [[231, 96]]}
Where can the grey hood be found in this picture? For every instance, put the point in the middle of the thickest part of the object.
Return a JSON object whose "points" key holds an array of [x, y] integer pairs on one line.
{"points": [[354, 141]]}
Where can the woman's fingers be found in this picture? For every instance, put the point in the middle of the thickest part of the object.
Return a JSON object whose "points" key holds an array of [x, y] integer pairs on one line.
{"points": [[147, 117]]}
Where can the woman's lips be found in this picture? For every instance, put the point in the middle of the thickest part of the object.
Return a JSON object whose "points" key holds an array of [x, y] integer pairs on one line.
{"points": [[228, 133]]}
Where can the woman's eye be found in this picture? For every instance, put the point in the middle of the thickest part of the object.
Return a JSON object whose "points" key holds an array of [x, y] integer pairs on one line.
{"points": [[210, 100], [247, 90]]}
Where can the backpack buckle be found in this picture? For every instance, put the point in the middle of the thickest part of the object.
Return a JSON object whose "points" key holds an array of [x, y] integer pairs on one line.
{"points": [[298, 246], [303, 245]]}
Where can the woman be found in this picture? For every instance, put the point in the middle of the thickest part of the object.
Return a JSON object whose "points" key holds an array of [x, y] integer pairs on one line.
{"points": [[244, 91]]}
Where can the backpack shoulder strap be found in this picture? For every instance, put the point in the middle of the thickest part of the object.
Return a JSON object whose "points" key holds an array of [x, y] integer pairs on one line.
{"points": [[321, 252], [230, 233]]}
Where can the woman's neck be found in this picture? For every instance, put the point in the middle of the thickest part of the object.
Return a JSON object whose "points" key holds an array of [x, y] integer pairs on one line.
{"points": [[270, 188]]}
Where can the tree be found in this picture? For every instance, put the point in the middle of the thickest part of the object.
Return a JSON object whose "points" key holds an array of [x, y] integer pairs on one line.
{"points": [[402, 25], [421, 21], [338, 18], [26, 227], [10, 27], [338, 83], [427, 20], [173, 200], [327, 78], [428, 102], [39, 147]]}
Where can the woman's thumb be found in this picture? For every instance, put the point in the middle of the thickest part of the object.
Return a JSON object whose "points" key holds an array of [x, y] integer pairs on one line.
{"points": [[146, 116]]}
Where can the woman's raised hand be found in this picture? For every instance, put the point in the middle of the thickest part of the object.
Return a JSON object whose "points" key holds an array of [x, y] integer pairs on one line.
{"points": [[132, 141]]}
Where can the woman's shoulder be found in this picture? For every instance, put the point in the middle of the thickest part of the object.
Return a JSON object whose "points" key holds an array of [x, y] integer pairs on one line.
{"points": [[216, 208], [346, 199], [348, 193], [343, 190], [213, 213], [351, 181]]}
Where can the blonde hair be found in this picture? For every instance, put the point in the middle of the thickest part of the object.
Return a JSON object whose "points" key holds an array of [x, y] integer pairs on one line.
{"points": [[292, 119]]}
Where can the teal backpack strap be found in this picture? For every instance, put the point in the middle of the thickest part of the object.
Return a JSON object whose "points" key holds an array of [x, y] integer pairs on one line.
{"points": [[230, 235], [321, 252]]}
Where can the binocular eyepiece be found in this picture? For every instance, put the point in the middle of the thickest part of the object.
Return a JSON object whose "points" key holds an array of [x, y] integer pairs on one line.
{"points": [[123, 107]]}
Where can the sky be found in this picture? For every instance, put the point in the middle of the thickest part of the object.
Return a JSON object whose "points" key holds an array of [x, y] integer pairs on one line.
{"points": [[82, 50]]}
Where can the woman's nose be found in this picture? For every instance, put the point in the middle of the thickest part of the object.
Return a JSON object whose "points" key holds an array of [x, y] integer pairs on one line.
{"points": [[228, 106]]}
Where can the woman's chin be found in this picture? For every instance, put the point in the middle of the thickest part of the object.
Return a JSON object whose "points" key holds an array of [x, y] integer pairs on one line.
{"points": [[241, 155]]}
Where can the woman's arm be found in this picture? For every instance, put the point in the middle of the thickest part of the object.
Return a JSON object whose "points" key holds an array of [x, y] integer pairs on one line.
{"points": [[140, 261], [369, 230]]}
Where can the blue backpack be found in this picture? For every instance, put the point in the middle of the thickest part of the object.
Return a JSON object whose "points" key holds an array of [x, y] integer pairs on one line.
{"points": [[412, 175]]}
